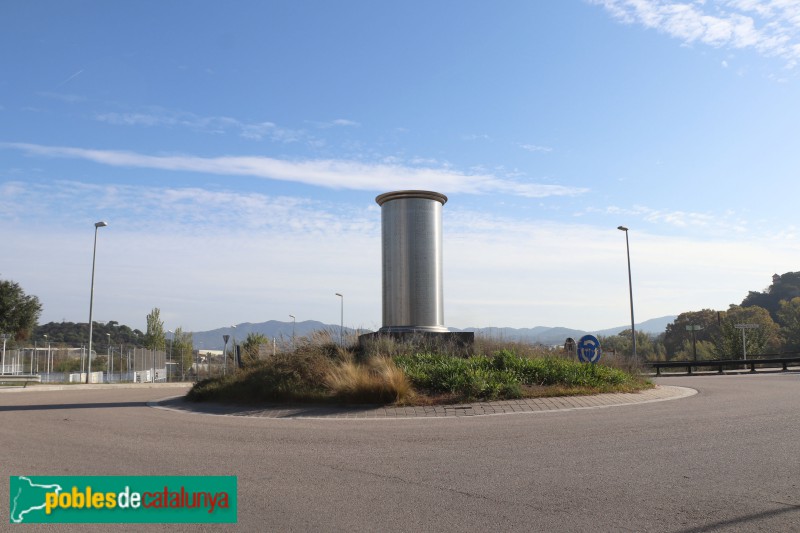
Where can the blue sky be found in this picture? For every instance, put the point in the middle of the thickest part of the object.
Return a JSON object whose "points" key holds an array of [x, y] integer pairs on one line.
{"points": [[235, 151]]}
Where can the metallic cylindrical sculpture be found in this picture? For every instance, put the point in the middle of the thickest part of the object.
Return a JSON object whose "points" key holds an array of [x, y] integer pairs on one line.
{"points": [[411, 232]]}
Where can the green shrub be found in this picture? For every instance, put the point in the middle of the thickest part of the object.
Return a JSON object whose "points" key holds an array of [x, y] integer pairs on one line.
{"points": [[504, 374], [320, 370]]}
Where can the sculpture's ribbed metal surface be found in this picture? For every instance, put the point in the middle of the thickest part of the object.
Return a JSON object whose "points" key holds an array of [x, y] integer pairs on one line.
{"points": [[411, 226]]}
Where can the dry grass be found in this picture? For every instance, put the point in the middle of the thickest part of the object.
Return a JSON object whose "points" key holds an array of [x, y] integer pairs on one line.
{"points": [[383, 371], [378, 381]]}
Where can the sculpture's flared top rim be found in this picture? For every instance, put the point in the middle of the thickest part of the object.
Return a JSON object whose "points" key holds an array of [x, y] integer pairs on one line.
{"points": [[425, 195]]}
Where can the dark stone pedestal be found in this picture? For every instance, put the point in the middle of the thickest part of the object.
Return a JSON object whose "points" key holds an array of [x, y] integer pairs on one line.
{"points": [[452, 342]]}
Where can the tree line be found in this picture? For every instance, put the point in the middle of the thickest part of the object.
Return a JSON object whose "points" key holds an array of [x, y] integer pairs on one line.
{"points": [[772, 316], [773, 313]]}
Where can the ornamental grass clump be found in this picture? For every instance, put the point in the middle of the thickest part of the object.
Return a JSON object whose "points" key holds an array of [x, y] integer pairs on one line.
{"points": [[379, 380]]}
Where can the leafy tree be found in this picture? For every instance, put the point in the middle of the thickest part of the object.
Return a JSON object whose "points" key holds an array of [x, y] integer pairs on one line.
{"points": [[251, 347], [648, 348], [761, 340], [78, 333], [676, 335], [789, 320], [705, 350], [183, 348], [19, 312], [155, 338], [784, 287]]}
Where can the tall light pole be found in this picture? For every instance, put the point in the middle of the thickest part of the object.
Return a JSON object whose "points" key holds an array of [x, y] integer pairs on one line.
{"points": [[110, 359], [294, 320], [233, 360], [630, 288], [224, 355], [341, 320], [5, 337], [47, 359], [97, 225], [172, 337]]}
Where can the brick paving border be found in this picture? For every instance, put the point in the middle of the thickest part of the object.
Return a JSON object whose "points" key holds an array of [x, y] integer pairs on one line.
{"points": [[375, 412]]}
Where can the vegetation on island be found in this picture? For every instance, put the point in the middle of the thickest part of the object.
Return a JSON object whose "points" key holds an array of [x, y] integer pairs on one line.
{"points": [[323, 370], [390, 371]]}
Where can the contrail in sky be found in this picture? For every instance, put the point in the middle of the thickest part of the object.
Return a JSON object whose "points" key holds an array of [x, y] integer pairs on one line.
{"points": [[70, 78]]}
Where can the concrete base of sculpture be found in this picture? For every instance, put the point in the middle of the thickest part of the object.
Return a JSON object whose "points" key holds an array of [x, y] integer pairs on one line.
{"points": [[455, 342]]}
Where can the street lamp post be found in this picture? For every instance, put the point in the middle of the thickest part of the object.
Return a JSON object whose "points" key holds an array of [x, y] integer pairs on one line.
{"points": [[97, 225], [294, 321], [169, 358], [341, 320], [5, 337], [630, 288], [110, 361], [233, 359], [47, 357]]}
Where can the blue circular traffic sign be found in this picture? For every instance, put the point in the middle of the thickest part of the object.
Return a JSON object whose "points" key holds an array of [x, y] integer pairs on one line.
{"points": [[589, 349]]}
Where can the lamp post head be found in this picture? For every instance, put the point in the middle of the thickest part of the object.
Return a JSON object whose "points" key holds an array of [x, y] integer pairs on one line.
{"points": [[622, 228], [101, 224], [340, 294]]}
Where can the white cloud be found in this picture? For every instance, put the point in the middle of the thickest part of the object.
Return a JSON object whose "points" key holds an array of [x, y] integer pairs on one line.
{"points": [[328, 173], [68, 98], [209, 258], [723, 224], [770, 27], [339, 122], [536, 148], [216, 125]]}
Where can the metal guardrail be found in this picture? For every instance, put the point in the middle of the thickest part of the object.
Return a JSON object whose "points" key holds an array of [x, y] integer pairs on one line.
{"points": [[20, 378], [783, 362]]}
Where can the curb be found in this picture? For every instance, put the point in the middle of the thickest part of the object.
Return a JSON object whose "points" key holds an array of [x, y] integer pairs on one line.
{"points": [[470, 410]]}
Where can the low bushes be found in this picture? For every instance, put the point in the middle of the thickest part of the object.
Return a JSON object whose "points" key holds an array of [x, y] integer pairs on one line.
{"points": [[506, 375], [331, 374]]}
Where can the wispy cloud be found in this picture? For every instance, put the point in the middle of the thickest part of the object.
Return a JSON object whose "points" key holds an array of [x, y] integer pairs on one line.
{"points": [[771, 27], [218, 125], [328, 173], [536, 148], [175, 248], [68, 98], [339, 122], [726, 223]]}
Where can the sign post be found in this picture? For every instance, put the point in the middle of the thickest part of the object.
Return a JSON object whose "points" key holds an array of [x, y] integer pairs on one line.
{"points": [[745, 327], [694, 328]]}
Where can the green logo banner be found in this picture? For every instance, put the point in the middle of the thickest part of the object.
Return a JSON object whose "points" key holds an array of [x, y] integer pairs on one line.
{"points": [[122, 499]]}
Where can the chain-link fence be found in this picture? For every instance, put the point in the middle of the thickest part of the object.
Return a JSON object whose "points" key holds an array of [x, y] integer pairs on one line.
{"points": [[118, 364]]}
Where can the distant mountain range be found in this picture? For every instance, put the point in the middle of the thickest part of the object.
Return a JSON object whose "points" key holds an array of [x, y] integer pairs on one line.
{"points": [[212, 340]]}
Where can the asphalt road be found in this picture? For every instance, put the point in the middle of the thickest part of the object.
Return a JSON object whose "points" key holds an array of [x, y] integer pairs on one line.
{"points": [[726, 459]]}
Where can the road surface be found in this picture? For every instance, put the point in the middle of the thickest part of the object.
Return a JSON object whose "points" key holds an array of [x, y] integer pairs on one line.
{"points": [[725, 459]]}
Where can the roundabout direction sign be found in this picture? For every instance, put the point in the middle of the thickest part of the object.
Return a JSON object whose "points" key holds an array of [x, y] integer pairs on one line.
{"points": [[589, 349]]}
